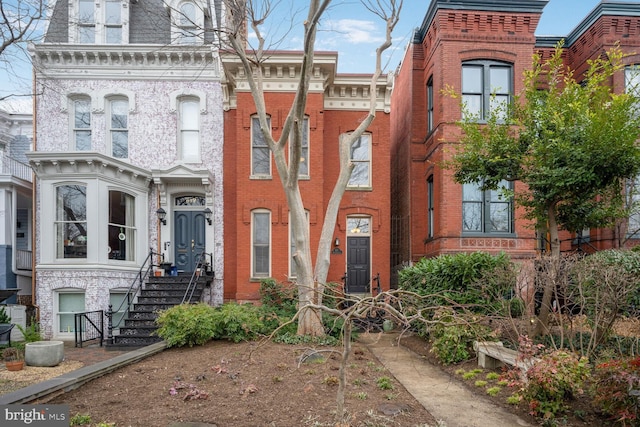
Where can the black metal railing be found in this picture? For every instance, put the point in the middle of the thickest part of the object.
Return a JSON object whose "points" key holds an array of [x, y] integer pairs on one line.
{"points": [[129, 297], [205, 261], [89, 326]]}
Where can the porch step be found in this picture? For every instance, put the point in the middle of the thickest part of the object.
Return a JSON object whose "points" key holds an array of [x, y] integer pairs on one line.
{"points": [[158, 293]]}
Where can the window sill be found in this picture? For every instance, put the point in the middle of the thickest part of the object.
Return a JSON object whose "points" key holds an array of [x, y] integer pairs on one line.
{"points": [[363, 188], [489, 235], [261, 177]]}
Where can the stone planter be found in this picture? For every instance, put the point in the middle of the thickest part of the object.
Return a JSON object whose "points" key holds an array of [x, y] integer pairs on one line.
{"points": [[44, 353]]}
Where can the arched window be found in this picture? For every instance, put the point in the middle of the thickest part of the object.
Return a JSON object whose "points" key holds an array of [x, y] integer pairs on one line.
{"points": [[260, 151], [189, 129], [119, 127], [81, 123]]}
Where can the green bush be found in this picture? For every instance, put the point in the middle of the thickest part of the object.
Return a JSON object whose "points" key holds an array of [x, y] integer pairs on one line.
{"points": [[481, 281], [188, 324], [452, 338], [238, 322]]}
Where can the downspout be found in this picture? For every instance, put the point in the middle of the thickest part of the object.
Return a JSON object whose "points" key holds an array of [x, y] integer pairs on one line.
{"points": [[34, 190]]}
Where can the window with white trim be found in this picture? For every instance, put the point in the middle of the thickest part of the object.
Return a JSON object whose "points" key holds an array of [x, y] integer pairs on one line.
{"points": [[189, 128], [260, 151], [488, 211], [260, 243], [119, 127], [361, 158], [99, 21], [81, 123], [71, 221], [122, 226], [486, 88], [187, 22], [69, 302]]}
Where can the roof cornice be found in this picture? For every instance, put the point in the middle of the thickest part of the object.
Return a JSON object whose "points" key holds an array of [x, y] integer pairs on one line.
{"points": [[126, 62], [604, 8], [515, 6]]}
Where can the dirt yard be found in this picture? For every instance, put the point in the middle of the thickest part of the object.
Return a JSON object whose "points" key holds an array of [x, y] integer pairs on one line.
{"points": [[244, 385]]}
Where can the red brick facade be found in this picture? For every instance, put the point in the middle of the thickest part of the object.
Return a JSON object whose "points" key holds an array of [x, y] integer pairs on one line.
{"points": [[336, 104], [454, 32]]}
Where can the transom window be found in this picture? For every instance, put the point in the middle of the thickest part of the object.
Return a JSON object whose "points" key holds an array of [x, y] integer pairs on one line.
{"points": [[361, 158], [260, 152], [358, 226], [71, 221], [486, 88], [489, 211]]}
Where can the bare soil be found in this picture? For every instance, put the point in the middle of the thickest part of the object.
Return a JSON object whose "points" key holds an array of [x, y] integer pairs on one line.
{"points": [[247, 384]]}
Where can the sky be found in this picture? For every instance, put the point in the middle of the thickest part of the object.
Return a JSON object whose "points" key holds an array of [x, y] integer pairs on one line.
{"points": [[350, 30]]}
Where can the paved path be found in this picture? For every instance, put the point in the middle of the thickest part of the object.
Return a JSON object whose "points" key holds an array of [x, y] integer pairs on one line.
{"points": [[443, 396]]}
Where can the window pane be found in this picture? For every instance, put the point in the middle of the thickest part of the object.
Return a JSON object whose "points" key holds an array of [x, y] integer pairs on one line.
{"points": [[499, 105], [121, 226], [112, 12], [471, 192], [82, 113], [86, 13], [360, 149], [190, 129], [190, 113], [113, 35], [358, 225], [120, 144], [187, 14], [86, 35], [260, 153], [83, 140], [261, 230], [71, 221], [500, 80], [471, 79], [499, 217], [360, 174], [473, 105], [471, 216], [69, 303]]}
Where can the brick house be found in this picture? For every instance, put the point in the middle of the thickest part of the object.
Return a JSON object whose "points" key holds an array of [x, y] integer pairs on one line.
{"points": [[257, 232], [476, 48]]}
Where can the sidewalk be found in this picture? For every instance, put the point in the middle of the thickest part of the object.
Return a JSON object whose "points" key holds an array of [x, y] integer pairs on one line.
{"points": [[445, 398]]}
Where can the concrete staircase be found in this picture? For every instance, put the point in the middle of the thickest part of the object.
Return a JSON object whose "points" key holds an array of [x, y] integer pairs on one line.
{"points": [[159, 293]]}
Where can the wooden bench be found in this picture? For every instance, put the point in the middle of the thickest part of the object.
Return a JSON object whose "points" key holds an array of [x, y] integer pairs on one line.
{"points": [[493, 354]]}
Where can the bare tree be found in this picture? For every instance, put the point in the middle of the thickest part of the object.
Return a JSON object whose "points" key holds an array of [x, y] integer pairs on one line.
{"points": [[18, 24], [253, 13]]}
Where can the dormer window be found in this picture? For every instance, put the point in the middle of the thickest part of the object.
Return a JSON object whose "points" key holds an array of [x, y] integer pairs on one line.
{"points": [[187, 21], [99, 21]]}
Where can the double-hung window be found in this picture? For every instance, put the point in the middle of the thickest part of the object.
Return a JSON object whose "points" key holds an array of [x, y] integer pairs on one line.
{"points": [[260, 151], [486, 89], [430, 105], [122, 226], [632, 83], [81, 123], [488, 211], [261, 243], [71, 221], [189, 122], [86, 21], [113, 22], [430, 208], [119, 127], [633, 206], [361, 158]]}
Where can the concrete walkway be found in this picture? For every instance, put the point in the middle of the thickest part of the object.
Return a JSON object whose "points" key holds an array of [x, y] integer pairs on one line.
{"points": [[443, 396]]}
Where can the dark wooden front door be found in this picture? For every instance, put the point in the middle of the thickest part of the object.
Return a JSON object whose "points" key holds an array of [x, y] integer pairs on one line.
{"points": [[358, 265], [189, 239]]}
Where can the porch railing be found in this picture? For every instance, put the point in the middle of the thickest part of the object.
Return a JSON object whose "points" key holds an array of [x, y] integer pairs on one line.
{"points": [[205, 261], [15, 168], [89, 326], [23, 259], [129, 297]]}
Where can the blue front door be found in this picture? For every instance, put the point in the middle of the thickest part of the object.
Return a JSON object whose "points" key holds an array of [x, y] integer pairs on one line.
{"points": [[189, 241]]}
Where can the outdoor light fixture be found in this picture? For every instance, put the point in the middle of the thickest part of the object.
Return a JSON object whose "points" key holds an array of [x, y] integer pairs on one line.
{"points": [[207, 215], [337, 241], [162, 214]]}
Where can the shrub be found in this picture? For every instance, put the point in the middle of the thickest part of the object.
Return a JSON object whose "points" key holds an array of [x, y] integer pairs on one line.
{"points": [[187, 324], [238, 322], [482, 281], [452, 338], [612, 381], [556, 376]]}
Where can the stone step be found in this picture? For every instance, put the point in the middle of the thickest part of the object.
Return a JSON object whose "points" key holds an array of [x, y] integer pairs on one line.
{"points": [[135, 323], [138, 331], [134, 340]]}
